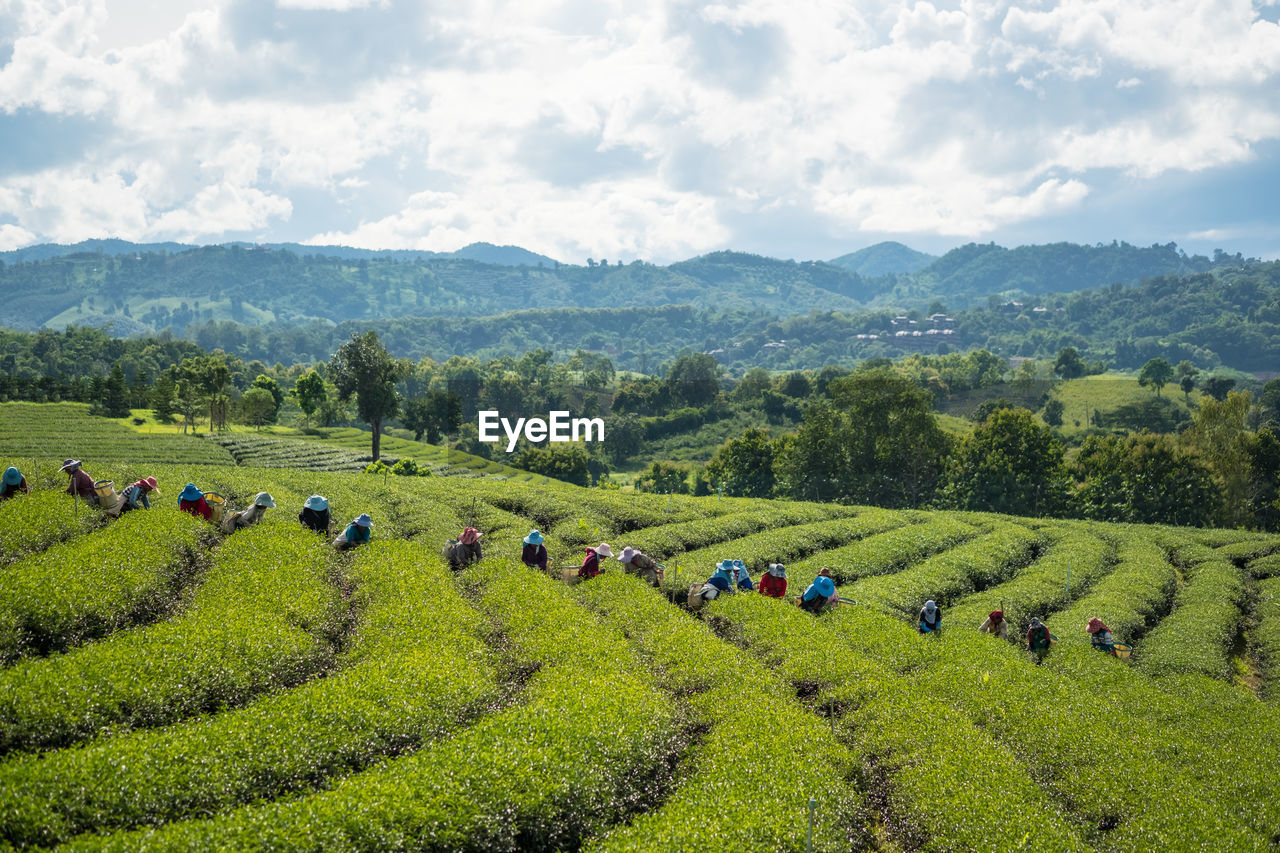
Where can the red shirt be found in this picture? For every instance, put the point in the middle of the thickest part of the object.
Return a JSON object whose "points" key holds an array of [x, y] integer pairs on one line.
{"points": [[773, 587], [81, 484], [197, 507], [590, 565]]}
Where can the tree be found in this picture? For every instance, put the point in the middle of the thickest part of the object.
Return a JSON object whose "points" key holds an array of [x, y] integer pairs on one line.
{"points": [[362, 367], [257, 407], [664, 478], [694, 379], [1219, 434], [1144, 479], [1186, 374], [114, 401], [309, 392], [567, 462], [1053, 412], [1157, 372], [744, 466], [436, 414], [266, 383], [1069, 364], [1269, 402], [1218, 387], [162, 396], [876, 443], [1010, 464], [1264, 481]]}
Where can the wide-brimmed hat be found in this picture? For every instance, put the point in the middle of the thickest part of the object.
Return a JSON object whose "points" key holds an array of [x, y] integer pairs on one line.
{"points": [[929, 606], [316, 502], [627, 553], [70, 465], [150, 483], [778, 570], [264, 499], [725, 565], [1095, 625], [12, 476], [604, 550], [1035, 622], [825, 586], [363, 520], [190, 493], [470, 536], [534, 538]]}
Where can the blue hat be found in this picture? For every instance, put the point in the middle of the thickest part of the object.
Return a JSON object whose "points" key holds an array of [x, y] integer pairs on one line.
{"points": [[12, 476], [725, 566], [316, 502], [190, 493], [825, 586], [534, 538], [364, 520]]}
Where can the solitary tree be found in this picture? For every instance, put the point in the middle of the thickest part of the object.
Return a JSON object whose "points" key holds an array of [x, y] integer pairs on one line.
{"points": [[1157, 372], [1069, 364], [309, 392], [1186, 372], [362, 367], [257, 407]]}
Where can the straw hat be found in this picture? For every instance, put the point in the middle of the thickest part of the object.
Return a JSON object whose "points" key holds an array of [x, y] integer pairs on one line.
{"points": [[604, 550]]}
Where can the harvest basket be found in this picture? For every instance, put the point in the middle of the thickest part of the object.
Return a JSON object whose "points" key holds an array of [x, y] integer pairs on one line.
{"points": [[217, 506], [106, 492]]}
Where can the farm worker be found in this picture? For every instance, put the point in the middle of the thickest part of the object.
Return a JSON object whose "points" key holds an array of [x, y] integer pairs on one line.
{"points": [[1038, 638], [465, 551], [773, 582], [995, 624], [720, 581], [134, 495], [357, 533], [930, 617], [818, 595], [192, 500], [591, 562], [315, 514], [1100, 635], [251, 516], [14, 484], [743, 576], [826, 573], [81, 483], [637, 562], [534, 553]]}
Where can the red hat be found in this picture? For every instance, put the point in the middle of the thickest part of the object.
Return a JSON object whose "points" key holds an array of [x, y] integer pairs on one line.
{"points": [[996, 615], [1095, 625], [469, 536], [150, 483]]}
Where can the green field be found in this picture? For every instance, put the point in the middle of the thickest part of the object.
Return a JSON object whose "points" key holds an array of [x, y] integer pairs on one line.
{"points": [[167, 687], [1105, 393]]}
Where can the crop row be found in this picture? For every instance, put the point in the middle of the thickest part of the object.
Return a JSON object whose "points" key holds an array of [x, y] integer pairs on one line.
{"points": [[667, 540], [416, 669], [887, 552], [1073, 562], [31, 523], [586, 746], [258, 622], [762, 757], [1265, 567], [129, 572], [975, 565], [1096, 736], [1198, 634], [1249, 550], [1130, 598], [924, 756], [1266, 634], [785, 544]]}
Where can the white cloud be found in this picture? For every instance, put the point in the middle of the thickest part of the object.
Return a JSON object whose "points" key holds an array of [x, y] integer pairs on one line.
{"points": [[14, 237], [598, 127]]}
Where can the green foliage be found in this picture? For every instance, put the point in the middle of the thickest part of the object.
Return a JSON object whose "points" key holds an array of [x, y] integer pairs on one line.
{"points": [[1197, 636], [1009, 464], [1128, 599], [1157, 372], [1053, 413], [1158, 414], [743, 467], [1069, 364], [887, 552], [416, 670], [694, 379], [569, 463], [255, 624], [1267, 632], [408, 468], [1144, 479], [363, 367], [31, 523], [664, 478]]}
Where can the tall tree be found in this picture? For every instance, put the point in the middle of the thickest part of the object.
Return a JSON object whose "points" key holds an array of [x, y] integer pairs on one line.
{"points": [[362, 367], [309, 391], [694, 379], [1069, 364], [1009, 464], [1186, 374], [1157, 372], [1219, 434], [744, 466], [1144, 479]]}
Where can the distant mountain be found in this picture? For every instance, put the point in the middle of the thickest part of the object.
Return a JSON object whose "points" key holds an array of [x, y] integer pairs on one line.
{"points": [[484, 252], [887, 258]]}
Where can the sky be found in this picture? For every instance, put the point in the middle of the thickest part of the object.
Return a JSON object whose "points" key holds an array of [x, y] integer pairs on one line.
{"points": [[650, 129]]}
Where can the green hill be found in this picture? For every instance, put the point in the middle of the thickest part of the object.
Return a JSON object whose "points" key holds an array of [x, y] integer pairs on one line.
{"points": [[887, 258]]}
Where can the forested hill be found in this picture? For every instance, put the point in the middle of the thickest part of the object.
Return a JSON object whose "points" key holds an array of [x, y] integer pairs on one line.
{"points": [[889, 258], [1229, 317], [146, 291]]}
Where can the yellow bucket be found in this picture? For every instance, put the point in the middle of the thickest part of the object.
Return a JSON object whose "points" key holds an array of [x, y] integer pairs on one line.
{"points": [[217, 506], [106, 491]]}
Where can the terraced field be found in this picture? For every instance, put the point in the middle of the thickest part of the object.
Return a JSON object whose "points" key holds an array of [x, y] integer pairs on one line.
{"points": [[178, 689]]}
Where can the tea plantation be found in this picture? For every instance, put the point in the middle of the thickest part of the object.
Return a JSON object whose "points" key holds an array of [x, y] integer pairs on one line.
{"points": [[168, 687]]}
